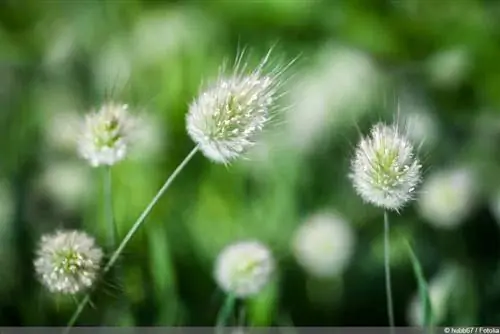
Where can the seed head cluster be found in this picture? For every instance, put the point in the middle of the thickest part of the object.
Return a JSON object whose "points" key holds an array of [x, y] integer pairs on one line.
{"points": [[385, 171], [244, 268], [226, 119], [106, 135], [68, 262]]}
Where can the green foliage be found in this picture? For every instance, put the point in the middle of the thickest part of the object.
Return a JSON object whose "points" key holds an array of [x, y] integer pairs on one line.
{"points": [[357, 61], [423, 291]]}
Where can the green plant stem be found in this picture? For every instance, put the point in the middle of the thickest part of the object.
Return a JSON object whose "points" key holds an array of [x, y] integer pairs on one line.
{"points": [[242, 315], [132, 231], [425, 300], [77, 312], [225, 312], [108, 199], [387, 264]]}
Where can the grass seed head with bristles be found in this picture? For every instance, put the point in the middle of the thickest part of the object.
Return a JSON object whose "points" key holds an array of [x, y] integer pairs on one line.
{"points": [[384, 170], [68, 262], [243, 269], [106, 135], [226, 120]]}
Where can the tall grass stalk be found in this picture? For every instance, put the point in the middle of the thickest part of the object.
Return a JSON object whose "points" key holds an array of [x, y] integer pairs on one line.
{"points": [[387, 264], [225, 312], [108, 200], [423, 289], [131, 232]]}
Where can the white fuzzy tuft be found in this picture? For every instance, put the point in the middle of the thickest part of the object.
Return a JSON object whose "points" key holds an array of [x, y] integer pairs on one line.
{"points": [[337, 90], [68, 261], [61, 131], [106, 135], [448, 196], [385, 171], [228, 117], [421, 126], [244, 268], [324, 244], [67, 183]]}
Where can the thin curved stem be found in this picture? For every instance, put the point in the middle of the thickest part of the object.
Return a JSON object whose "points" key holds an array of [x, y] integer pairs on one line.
{"points": [[132, 231], [77, 313], [387, 264]]}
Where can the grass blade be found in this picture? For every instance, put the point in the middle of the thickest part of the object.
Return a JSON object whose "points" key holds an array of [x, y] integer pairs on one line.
{"points": [[225, 312], [425, 301]]}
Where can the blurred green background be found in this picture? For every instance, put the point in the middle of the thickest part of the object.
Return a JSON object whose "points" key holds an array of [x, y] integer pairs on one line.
{"points": [[436, 61]]}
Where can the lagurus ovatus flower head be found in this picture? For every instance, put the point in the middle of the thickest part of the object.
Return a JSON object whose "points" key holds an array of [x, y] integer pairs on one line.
{"points": [[384, 169], [448, 196], [106, 135], [324, 244], [229, 115], [244, 268], [68, 262]]}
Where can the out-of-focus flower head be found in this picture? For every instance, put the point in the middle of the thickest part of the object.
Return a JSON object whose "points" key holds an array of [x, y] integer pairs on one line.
{"points": [[107, 135], [244, 268], [447, 197], [420, 125], [449, 68], [61, 131], [324, 244], [336, 90], [67, 183], [384, 170], [68, 262]]}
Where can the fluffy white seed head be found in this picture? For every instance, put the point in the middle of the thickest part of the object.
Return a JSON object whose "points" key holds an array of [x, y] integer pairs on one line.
{"points": [[67, 183], [338, 89], [448, 68], [448, 196], [385, 171], [323, 245], [106, 135], [61, 131], [244, 268], [421, 126], [228, 117], [68, 262]]}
